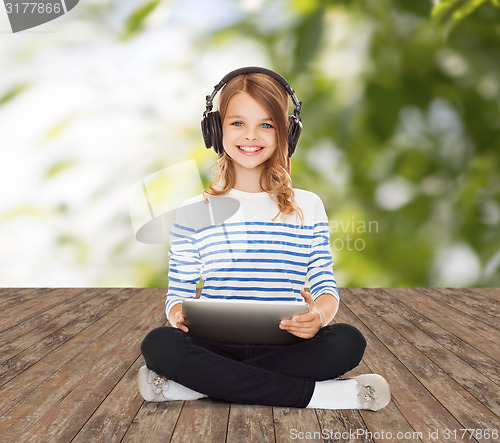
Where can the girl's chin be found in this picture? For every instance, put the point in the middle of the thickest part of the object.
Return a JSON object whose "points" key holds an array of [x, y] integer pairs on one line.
{"points": [[248, 163]]}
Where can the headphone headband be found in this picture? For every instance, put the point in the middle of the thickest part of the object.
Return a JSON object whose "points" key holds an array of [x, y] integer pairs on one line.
{"points": [[297, 105], [211, 124]]}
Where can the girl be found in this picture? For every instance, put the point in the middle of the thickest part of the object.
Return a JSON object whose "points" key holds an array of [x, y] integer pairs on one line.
{"points": [[278, 237]]}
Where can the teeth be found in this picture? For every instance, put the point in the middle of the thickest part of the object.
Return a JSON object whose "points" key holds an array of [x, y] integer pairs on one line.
{"points": [[249, 149]]}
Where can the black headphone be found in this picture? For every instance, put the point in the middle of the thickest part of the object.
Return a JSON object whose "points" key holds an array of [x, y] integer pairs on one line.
{"points": [[211, 125]]}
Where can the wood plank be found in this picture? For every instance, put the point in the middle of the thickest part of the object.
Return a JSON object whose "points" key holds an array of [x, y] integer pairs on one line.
{"points": [[489, 292], [250, 424], [202, 421], [482, 363], [16, 296], [464, 407], [343, 425], [36, 306], [458, 299], [444, 318], [113, 417], [9, 336], [7, 292], [36, 329], [474, 324], [390, 419], [65, 377], [473, 381], [481, 301], [413, 400], [85, 389], [51, 339], [64, 419], [292, 424], [155, 422], [29, 379]]}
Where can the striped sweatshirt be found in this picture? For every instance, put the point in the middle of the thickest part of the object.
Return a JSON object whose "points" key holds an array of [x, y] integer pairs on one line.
{"points": [[234, 245]]}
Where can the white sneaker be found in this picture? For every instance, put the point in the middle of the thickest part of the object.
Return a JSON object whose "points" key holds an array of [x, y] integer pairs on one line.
{"points": [[374, 392], [154, 387]]}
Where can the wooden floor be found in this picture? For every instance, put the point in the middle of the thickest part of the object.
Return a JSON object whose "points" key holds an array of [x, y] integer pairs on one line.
{"points": [[69, 359]]}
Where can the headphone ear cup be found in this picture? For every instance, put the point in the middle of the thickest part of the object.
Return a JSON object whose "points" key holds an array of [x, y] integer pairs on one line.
{"points": [[216, 131], [294, 130], [205, 130], [211, 129]]}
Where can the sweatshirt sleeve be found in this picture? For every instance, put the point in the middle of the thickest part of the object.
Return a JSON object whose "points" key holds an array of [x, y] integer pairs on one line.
{"points": [[184, 266], [320, 268]]}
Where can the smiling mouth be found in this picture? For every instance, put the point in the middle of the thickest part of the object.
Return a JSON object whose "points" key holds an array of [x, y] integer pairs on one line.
{"points": [[250, 148]]}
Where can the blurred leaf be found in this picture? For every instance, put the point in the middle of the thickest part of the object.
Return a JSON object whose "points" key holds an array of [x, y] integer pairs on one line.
{"points": [[449, 13], [413, 165], [59, 167], [367, 73], [28, 210], [13, 93], [135, 21], [419, 8], [308, 39], [58, 128], [305, 7], [78, 246], [384, 116]]}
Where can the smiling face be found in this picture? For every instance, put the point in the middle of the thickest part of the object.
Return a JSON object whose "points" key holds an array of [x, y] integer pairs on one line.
{"points": [[249, 134]]}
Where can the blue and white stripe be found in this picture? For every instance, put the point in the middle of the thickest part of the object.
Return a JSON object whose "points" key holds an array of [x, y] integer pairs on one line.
{"points": [[253, 260]]}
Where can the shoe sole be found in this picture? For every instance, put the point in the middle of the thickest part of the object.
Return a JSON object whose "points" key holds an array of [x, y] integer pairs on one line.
{"points": [[144, 386], [381, 388]]}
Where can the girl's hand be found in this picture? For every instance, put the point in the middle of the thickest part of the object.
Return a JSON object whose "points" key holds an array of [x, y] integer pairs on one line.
{"points": [[304, 325], [177, 319], [179, 322]]}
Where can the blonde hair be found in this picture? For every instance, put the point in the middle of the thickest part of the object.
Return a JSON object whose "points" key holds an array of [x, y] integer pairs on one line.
{"points": [[275, 178]]}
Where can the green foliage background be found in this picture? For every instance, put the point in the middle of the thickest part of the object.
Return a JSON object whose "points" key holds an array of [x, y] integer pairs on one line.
{"points": [[401, 128]]}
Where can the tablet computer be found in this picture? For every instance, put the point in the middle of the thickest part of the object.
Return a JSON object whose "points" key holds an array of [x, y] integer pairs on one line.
{"points": [[241, 321]]}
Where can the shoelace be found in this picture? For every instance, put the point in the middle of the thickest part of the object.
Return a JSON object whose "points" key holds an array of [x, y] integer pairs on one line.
{"points": [[369, 397], [159, 382]]}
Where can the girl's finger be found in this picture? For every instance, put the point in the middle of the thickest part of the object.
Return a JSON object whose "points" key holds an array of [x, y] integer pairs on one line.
{"points": [[307, 298], [303, 318], [299, 329]]}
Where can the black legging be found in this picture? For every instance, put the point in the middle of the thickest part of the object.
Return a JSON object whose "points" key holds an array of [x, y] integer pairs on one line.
{"points": [[279, 375]]}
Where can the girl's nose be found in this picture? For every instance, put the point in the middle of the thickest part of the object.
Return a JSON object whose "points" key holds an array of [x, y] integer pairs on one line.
{"points": [[250, 134]]}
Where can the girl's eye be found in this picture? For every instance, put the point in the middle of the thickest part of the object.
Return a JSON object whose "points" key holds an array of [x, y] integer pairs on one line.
{"points": [[237, 124], [266, 125]]}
